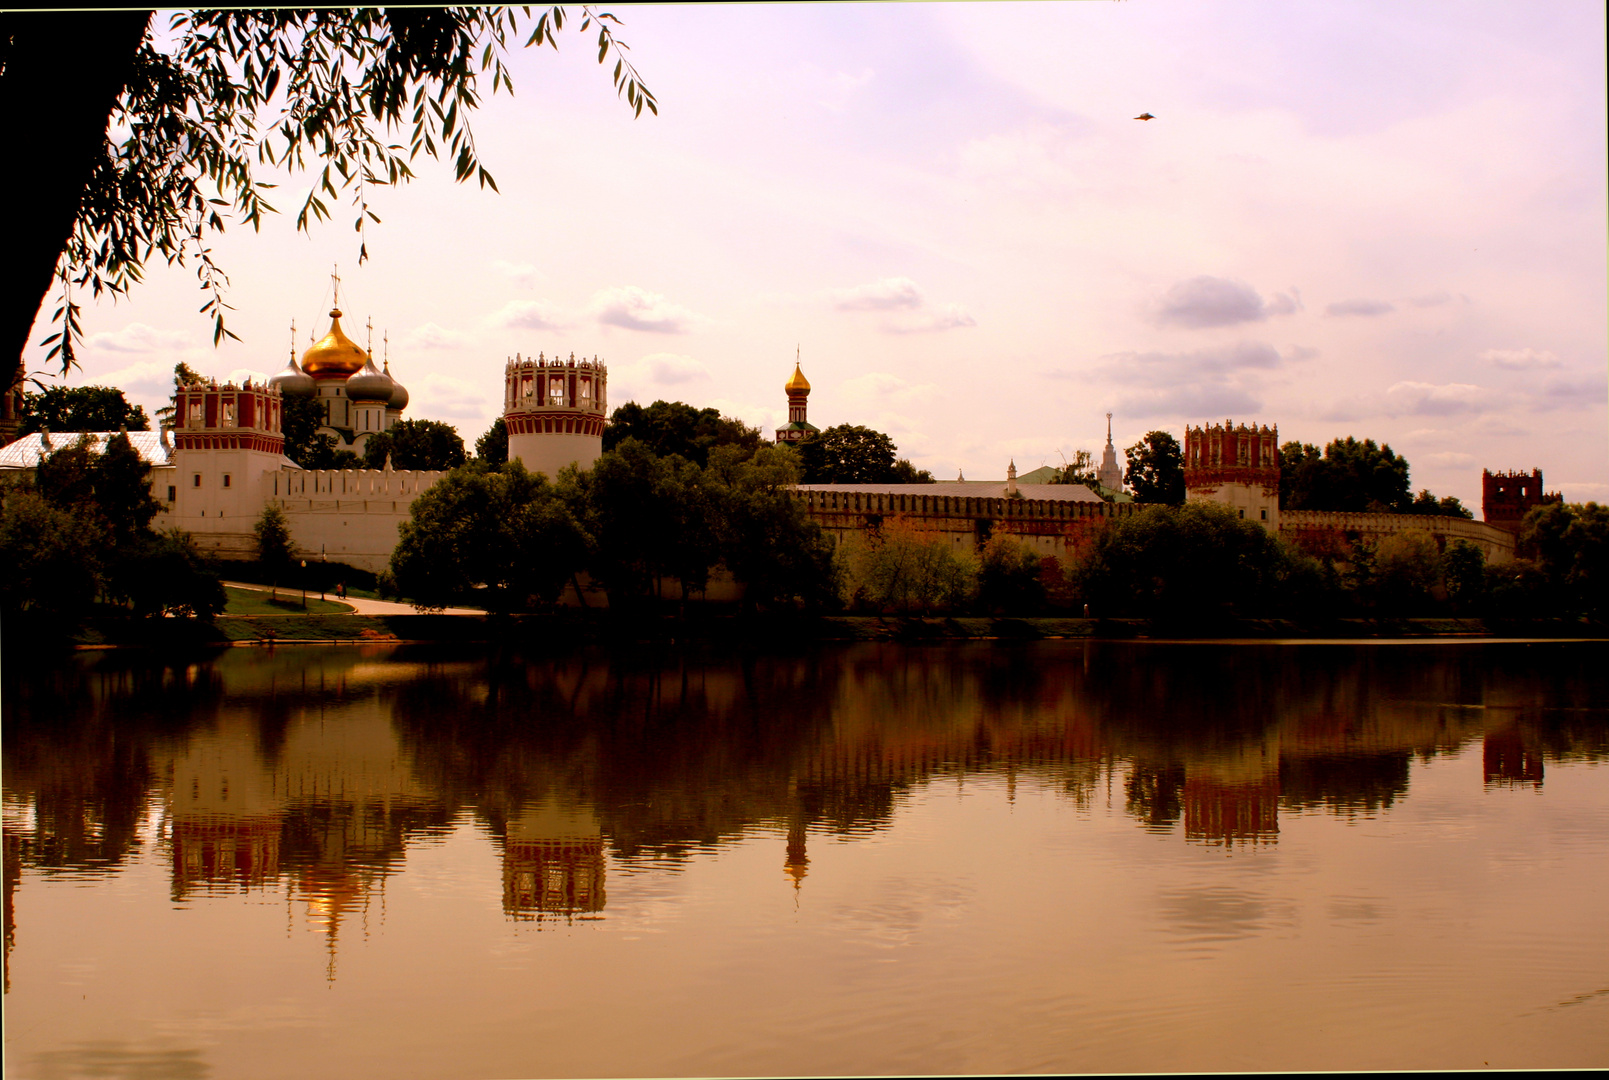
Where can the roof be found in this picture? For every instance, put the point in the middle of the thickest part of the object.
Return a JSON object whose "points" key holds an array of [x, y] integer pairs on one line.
{"points": [[26, 451], [966, 489]]}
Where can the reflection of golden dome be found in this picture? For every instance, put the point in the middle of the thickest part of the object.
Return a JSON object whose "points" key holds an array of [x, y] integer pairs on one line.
{"points": [[797, 384], [335, 355]]}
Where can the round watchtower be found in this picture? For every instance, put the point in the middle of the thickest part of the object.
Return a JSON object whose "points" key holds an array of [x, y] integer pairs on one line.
{"points": [[554, 411], [1237, 465]]}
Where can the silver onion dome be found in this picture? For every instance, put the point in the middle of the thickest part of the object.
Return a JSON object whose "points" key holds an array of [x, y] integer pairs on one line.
{"points": [[370, 384], [293, 381], [399, 393]]}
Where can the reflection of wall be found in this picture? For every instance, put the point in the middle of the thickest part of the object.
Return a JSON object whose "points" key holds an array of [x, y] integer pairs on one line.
{"points": [[221, 853], [553, 862]]}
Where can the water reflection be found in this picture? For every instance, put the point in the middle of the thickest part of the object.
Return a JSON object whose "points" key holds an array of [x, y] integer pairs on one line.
{"points": [[309, 773]]}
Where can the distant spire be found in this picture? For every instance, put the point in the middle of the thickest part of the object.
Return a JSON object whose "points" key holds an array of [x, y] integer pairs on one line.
{"points": [[1108, 429]]}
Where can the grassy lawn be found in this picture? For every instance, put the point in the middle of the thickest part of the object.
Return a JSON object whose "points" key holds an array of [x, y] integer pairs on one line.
{"points": [[288, 602]]}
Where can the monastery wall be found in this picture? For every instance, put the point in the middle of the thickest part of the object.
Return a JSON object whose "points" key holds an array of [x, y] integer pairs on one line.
{"points": [[1048, 526], [1315, 529]]}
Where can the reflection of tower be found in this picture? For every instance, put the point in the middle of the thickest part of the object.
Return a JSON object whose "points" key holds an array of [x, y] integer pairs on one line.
{"points": [[1233, 799], [217, 853], [798, 861], [554, 411], [553, 862], [1508, 762]]}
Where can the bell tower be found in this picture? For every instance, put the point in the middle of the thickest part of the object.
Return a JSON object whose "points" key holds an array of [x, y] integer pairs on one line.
{"points": [[554, 411]]}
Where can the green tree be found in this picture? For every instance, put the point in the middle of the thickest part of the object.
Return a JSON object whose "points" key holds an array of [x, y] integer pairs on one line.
{"points": [[1350, 476], [1463, 571], [492, 447], [163, 574], [220, 94], [495, 532], [674, 427], [1447, 505], [905, 569], [1081, 470], [625, 502], [415, 444], [276, 552], [767, 541], [183, 375], [122, 486], [1008, 577], [80, 408], [53, 558], [906, 473], [847, 454], [1155, 471], [1196, 562], [1568, 543], [1406, 569]]}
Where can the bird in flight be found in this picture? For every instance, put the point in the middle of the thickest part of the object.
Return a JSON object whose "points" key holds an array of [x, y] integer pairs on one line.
{"points": [[1145, 116]]}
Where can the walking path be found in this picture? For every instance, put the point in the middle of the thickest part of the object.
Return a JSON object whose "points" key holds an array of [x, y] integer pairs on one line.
{"points": [[361, 606]]}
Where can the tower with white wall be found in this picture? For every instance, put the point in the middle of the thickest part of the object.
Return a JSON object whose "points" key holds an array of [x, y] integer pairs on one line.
{"points": [[554, 411], [1237, 466], [226, 438]]}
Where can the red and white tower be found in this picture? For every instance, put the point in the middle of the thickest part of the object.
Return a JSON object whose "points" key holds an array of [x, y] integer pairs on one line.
{"points": [[554, 410], [1236, 466]]}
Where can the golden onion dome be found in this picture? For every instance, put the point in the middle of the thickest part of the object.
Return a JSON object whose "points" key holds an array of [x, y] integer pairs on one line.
{"points": [[336, 355], [797, 384]]}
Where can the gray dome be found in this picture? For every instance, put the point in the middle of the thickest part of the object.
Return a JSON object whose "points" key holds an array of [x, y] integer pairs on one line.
{"points": [[370, 384], [293, 381], [399, 393]]}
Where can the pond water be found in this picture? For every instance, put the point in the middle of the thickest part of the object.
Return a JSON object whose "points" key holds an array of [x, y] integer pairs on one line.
{"points": [[410, 861]]}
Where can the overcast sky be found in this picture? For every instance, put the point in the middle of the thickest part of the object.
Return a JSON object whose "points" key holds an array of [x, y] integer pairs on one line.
{"points": [[1382, 219]]}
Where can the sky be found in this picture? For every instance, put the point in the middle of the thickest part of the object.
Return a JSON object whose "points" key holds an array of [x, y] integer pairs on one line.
{"points": [[1374, 219]]}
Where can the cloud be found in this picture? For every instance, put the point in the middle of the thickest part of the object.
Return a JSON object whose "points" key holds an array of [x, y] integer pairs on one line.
{"points": [[1298, 353], [1432, 399], [1366, 308], [431, 336], [140, 338], [1202, 302], [1451, 459], [905, 300], [241, 375], [522, 274], [946, 317], [442, 395], [886, 389], [1203, 382], [528, 315], [1435, 299], [1520, 359], [1561, 393], [885, 294], [633, 308], [1204, 400], [653, 376]]}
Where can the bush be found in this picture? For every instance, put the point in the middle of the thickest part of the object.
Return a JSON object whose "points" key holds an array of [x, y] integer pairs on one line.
{"points": [[1008, 577], [905, 570]]}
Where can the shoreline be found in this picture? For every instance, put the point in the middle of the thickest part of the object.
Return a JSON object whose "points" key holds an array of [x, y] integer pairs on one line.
{"points": [[566, 628]]}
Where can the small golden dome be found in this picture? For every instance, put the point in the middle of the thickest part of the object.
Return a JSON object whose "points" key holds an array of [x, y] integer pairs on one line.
{"points": [[335, 355], [797, 384]]}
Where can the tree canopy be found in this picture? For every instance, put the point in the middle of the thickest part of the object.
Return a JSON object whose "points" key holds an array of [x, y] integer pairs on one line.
{"points": [[1349, 476], [1155, 471], [82, 531], [674, 427], [138, 150], [492, 446], [854, 454], [80, 408], [415, 444]]}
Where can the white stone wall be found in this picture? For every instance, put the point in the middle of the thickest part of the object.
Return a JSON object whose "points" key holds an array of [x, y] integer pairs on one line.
{"points": [[1252, 501], [548, 452]]}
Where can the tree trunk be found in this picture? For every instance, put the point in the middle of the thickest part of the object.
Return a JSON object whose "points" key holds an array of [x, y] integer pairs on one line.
{"points": [[63, 73]]}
